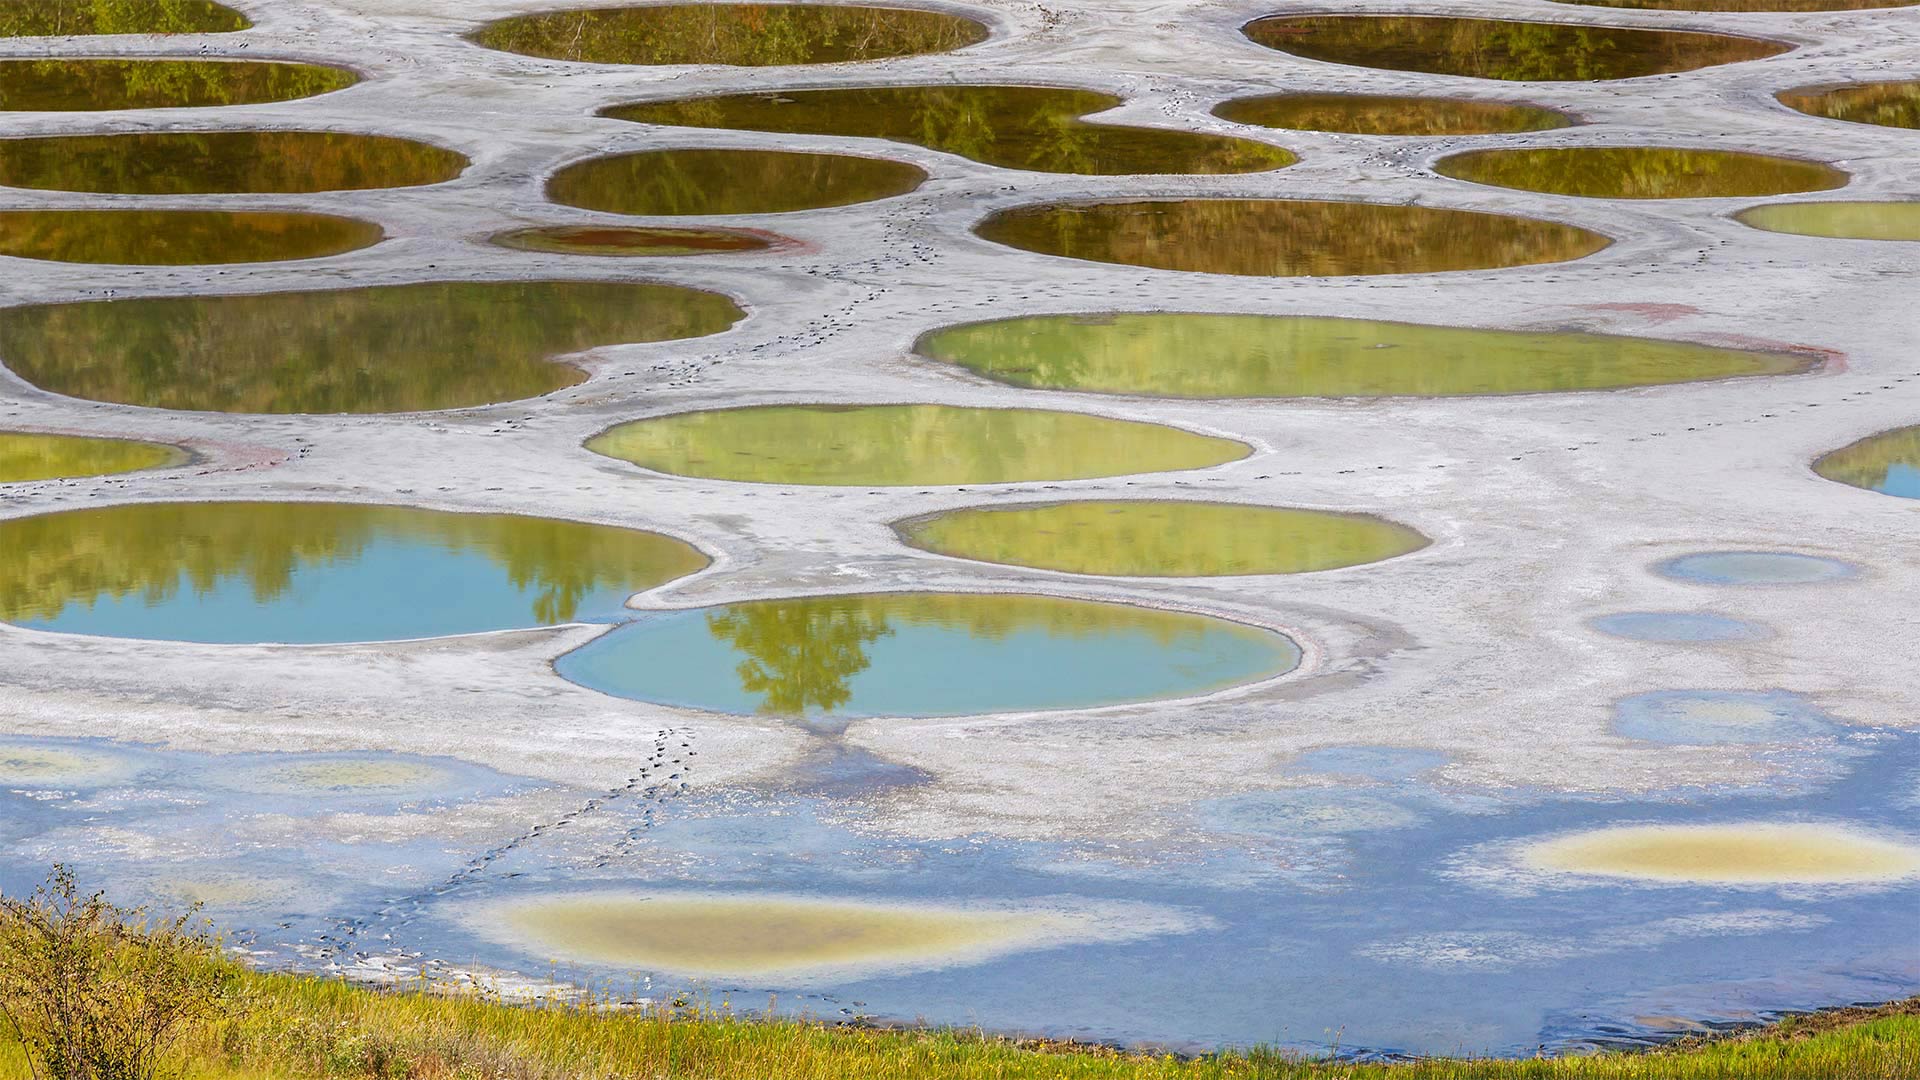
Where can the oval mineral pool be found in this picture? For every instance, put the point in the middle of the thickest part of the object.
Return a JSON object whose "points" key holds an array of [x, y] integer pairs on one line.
{"points": [[1015, 127], [1171, 354], [884, 445], [179, 237], [674, 183], [102, 83], [1140, 538], [1885, 104], [315, 573], [1679, 627], [1641, 172], [1719, 717], [922, 654], [1888, 463], [628, 242], [1753, 568], [223, 162], [391, 348], [1500, 48], [1838, 220], [1752, 853], [25, 456], [745, 35], [1745, 5], [63, 18], [34, 764], [1287, 237], [1379, 114]]}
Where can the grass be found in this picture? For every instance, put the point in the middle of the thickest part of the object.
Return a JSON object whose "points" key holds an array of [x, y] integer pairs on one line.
{"points": [[286, 1027]]}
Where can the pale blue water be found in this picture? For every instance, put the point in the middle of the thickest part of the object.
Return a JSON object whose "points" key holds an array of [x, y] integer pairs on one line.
{"points": [[1679, 627], [1753, 568], [1901, 480], [1711, 717]]}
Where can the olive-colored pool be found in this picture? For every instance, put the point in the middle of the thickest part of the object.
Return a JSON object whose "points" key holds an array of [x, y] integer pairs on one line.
{"points": [[1641, 172], [1885, 104], [1838, 220], [61, 18], [179, 237], [618, 240], [1888, 463], [746, 35], [102, 83], [26, 456], [673, 183], [1385, 114], [223, 162]]}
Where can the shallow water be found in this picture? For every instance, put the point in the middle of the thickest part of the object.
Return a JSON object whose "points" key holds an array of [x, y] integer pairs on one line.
{"points": [[1162, 538], [1888, 463], [81, 84], [179, 237], [1887, 104], [691, 182], [922, 654], [748, 35], [25, 456], [1720, 717], [1015, 127], [1744, 853], [223, 162], [1374, 114], [1679, 627], [629, 242], [1753, 568], [1641, 172], [1838, 220], [1296, 237], [312, 573], [882, 445], [394, 348], [1224, 356], [1500, 49], [48, 18]]}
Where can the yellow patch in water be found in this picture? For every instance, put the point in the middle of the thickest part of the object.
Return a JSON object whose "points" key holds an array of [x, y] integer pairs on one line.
{"points": [[25, 766], [1750, 854]]}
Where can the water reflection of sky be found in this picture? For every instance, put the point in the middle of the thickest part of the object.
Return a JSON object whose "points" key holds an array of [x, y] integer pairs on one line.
{"points": [[1901, 480]]}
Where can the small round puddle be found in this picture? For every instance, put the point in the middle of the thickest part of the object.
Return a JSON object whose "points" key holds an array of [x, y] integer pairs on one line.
{"points": [[1745, 5], [63, 18], [393, 348], [1641, 172], [26, 457], [1138, 538], [1500, 48], [1756, 853], [28, 764], [1753, 568], [1017, 127], [1370, 114], [1884, 104], [1189, 355], [223, 162], [1679, 627], [615, 240], [676, 183], [922, 654], [101, 83], [743, 35], [179, 237], [1287, 237], [890, 445], [1719, 717], [1888, 463], [1838, 220], [315, 573]]}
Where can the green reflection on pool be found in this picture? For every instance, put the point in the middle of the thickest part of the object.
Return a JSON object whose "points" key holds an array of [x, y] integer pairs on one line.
{"points": [[885, 445], [394, 348], [1641, 172], [1838, 220], [1137, 538], [689, 182], [1502, 49], [1287, 237], [629, 241], [223, 162], [25, 456], [77, 85], [1222, 356], [1888, 463], [59, 18], [1885, 104], [178, 237], [1375, 114], [1015, 127], [747, 35]]}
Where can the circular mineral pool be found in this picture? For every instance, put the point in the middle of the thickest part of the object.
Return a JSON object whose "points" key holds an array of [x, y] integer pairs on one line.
{"points": [[1679, 627], [26, 456], [1641, 172], [922, 654], [1753, 568], [179, 237], [1884, 104], [223, 162], [1161, 538], [745, 35], [59, 84], [313, 573], [1838, 220], [893, 445], [1888, 463], [630, 241], [1719, 717], [1740, 853], [1286, 237], [65, 18], [1382, 114], [679, 183]]}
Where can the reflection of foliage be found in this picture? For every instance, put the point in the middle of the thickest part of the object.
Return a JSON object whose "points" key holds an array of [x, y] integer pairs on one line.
{"points": [[1282, 238], [51, 18], [1641, 172], [199, 162], [178, 237], [677, 182], [52, 561], [1366, 114], [1499, 49], [617, 240], [1888, 104], [396, 348], [1866, 463], [1746, 5], [1020, 127], [752, 35], [98, 83], [26, 457]]}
